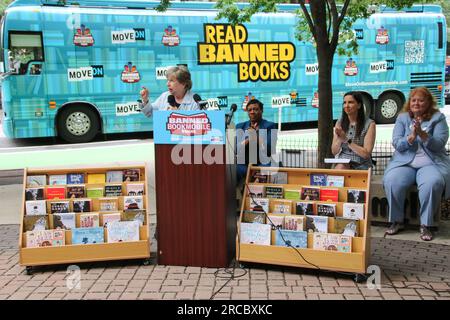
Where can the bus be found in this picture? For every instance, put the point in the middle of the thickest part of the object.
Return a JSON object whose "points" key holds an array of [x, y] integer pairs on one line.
{"points": [[74, 69]]}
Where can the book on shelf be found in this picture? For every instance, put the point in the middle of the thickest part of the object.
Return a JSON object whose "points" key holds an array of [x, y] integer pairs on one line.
{"points": [[66, 221], [35, 207], [332, 242], [133, 202], [82, 205], [253, 217], [353, 210], [291, 238], [122, 231], [135, 215], [53, 193], [330, 194], [88, 235], [356, 196], [45, 238], [94, 192], [114, 176], [275, 192], [35, 222], [304, 208], [108, 204], [113, 190], [259, 204], [282, 206], [255, 190], [96, 178], [317, 224], [292, 194], [275, 221], [36, 180], [76, 191], [89, 220], [258, 177], [255, 233], [131, 175], [109, 217], [310, 193], [36, 193], [294, 223], [134, 189], [347, 227], [60, 206], [75, 178], [335, 181], [278, 177], [326, 209], [57, 179], [318, 179]]}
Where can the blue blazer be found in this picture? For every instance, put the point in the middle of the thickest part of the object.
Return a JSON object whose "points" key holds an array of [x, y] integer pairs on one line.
{"points": [[434, 146]]}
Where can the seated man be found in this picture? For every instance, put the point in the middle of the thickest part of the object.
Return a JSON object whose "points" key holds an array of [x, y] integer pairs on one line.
{"points": [[256, 140]]}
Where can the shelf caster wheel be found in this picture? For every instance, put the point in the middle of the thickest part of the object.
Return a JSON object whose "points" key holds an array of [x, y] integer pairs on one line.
{"points": [[359, 278], [146, 262], [29, 270]]}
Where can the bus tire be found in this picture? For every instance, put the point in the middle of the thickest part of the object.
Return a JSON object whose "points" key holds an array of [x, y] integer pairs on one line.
{"points": [[388, 106], [78, 124]]}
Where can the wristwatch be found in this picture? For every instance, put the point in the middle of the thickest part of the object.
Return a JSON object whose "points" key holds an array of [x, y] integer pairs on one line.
{"points": [[349, 141]]}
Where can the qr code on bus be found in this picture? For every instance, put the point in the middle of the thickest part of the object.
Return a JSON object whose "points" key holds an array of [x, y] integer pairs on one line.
{"points": [[414, 51]]}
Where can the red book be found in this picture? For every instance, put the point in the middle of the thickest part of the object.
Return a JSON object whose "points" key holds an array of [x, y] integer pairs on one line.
{"points": [[329, 195], [56, 193]]}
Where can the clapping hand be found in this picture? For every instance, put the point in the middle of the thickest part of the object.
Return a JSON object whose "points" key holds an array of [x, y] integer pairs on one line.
{"points": [[144, 95], [340, 134]]}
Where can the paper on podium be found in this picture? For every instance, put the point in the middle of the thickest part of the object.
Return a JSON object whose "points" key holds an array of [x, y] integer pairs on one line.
{"points": [[336, 160]]}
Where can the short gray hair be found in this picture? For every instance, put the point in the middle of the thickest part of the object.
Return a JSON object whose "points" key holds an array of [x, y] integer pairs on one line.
{"points": [[182, 75]]}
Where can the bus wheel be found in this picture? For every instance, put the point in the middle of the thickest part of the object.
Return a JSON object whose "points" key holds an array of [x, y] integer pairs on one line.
{"points": [[388, 106], [78, 124]]}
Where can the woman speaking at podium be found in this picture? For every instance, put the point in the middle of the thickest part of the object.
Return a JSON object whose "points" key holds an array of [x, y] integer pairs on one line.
{"points": [[177, 97]]}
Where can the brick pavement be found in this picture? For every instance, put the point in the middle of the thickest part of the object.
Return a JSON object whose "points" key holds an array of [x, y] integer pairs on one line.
{"points": [[410, 266]]}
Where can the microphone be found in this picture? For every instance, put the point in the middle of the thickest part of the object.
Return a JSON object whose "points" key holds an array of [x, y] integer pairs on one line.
{"points": [[201, 103], [230, 115], [171, 100]]}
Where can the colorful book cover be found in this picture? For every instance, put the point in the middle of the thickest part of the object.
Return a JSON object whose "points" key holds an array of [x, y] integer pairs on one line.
{"points": [[137, 215], [108, 204], [134, 189], [109, 217], [275, 221], [304, 208], [133, 202], [89, 220], [259, 204], [57, 179], [36, 222], [36, 180], [318, 179], [34, 194], [256, 233], [317, 224], [45, 238], [94, 192], [59, 206], [131, 175], [353, 210], [356, 196], [294, 222], [329, 195], [121, 231], [326, 209], [76, 191], [282, 206], [55, 193], [291, 194], [332, 242], [75, 178], [255, 190], [113, 190], [114, 176], [335, 181], [253, 217], [87, 235], [96, 178], [310, 193], [347, 227], [275, 192], [291, 238], [36, 207], [66, 221], [82, 205], [258, 177], [319, 241]]}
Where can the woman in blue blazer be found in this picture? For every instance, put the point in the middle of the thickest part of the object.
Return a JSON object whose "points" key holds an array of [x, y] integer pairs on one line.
{"points": [[419, 138]]}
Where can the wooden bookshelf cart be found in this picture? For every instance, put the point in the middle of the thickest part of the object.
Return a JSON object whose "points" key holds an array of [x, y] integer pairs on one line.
{"points": [[355, 262], [69, 253]]}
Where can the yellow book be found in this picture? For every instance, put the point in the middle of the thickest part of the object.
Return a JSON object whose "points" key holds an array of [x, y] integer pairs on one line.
{"points": [[96, 178]]}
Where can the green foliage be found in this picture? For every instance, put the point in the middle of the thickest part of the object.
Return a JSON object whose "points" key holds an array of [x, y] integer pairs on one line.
{"points": [[3, 5]]}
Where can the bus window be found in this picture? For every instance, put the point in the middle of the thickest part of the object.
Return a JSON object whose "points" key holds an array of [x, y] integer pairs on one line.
{"points": [[23, 48]]}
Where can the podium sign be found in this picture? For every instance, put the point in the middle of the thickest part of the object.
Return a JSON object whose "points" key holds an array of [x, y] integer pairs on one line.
{"points": [[195, 189]]}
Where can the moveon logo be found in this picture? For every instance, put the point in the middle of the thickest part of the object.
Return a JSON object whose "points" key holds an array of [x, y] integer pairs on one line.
{"points": [[184, 125], [227, 44]]}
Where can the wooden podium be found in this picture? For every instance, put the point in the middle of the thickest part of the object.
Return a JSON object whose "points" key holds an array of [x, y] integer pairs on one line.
{"points": [[195, 189]]}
